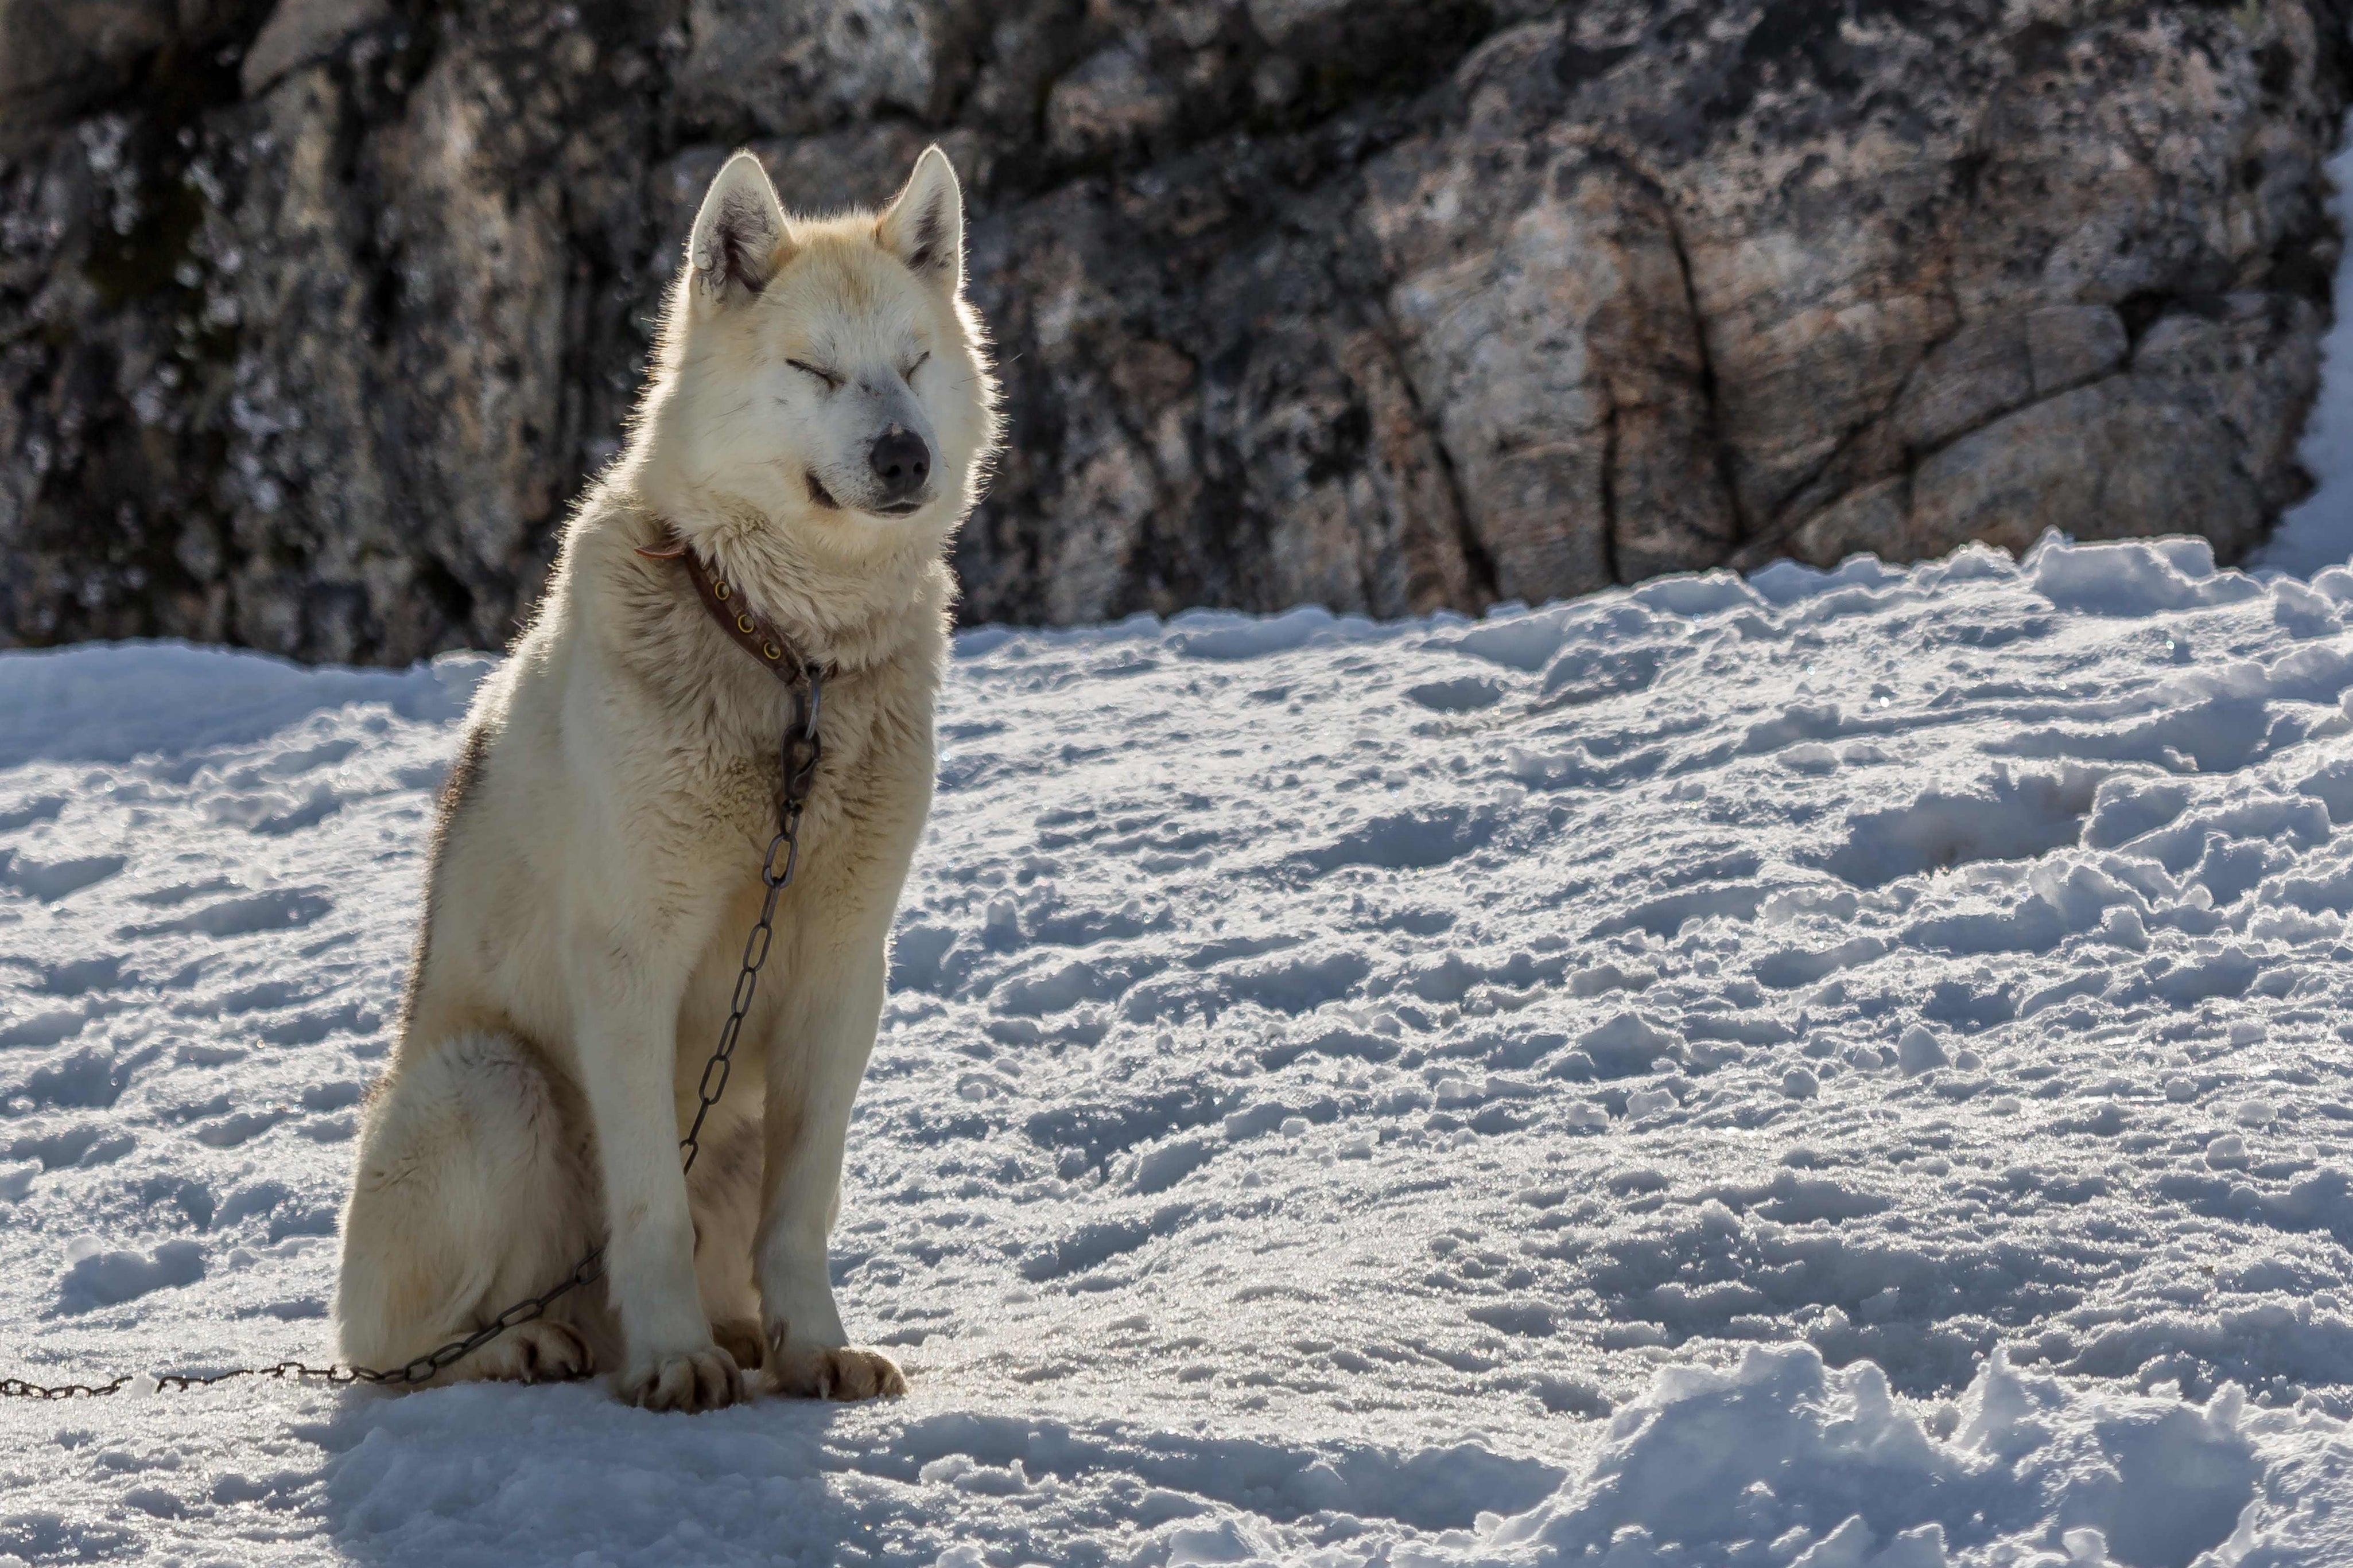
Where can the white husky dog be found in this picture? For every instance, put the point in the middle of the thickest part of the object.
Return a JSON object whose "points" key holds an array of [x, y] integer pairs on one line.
{"points": [[815, 429]]}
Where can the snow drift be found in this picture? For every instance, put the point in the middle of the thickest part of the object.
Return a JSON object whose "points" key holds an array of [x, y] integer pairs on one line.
{"points": [[1829, 1068]]}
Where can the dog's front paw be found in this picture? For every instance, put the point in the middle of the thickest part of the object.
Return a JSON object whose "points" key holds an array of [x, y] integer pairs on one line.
{"points": [[828, 1372], [539, 1351], [684, 1381]]}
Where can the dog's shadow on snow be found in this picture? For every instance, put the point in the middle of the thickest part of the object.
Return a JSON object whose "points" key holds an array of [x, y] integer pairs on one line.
{"points": [[492, 1473]]}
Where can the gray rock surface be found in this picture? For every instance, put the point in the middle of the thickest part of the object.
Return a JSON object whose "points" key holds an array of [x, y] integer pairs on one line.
{"points": [[314, 313]]}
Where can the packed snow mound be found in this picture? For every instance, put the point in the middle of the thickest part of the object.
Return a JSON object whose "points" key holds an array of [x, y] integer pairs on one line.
{"points": [[1827, 1069], [1783, 1461]]}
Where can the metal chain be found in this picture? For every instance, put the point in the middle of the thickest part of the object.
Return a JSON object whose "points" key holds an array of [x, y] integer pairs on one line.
{"points": [[798, 753]]}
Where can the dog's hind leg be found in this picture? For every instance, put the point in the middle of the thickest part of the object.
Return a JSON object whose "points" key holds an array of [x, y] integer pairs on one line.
{"points": [[471, 1195], [724, 1191]]}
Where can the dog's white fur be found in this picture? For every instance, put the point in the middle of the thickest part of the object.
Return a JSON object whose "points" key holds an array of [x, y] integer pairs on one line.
{"points": [[596, 868]]}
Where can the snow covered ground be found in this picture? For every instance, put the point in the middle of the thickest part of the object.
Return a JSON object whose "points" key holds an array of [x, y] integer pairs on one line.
{"points": [[1831, 1070]]}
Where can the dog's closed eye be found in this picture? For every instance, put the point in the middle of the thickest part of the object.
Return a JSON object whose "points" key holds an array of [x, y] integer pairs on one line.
{"points": [[831, 380], [908, 374]]}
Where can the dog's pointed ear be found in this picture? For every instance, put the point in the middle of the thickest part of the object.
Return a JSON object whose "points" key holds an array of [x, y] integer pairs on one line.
{"points": [[923, 224], [740, 236]]}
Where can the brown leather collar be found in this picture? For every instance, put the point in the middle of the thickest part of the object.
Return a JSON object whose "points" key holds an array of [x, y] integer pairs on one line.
{"points": [[732, 613]]}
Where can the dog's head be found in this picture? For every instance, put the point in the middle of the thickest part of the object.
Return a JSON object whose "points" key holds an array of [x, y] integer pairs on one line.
{"points": [[826, 375]]}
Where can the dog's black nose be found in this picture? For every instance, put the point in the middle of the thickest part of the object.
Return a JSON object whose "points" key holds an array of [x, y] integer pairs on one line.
{"points": [[902, 462]]}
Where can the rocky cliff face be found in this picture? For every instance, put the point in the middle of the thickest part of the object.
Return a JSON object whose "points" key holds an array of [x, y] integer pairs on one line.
{"points": [[314, 313]]}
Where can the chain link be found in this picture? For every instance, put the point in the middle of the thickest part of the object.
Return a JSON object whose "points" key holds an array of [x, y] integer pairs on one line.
{"points": [[799, 754]]}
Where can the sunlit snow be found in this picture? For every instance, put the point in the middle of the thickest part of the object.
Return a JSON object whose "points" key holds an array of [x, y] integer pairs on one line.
{"points": [[1825, 1069]]}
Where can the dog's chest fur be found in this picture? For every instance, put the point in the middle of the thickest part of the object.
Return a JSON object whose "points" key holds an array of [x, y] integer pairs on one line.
{"points": [[703, 724]]}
